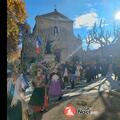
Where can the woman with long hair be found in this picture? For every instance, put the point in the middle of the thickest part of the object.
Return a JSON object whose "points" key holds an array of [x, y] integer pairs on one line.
{"points": [[78, 71], [37, 100], [15, 98]]}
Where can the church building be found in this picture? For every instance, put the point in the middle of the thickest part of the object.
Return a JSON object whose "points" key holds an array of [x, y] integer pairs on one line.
{"points": [[56, 32]]}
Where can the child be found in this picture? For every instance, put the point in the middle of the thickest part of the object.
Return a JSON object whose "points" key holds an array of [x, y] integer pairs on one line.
{"points": [[38, 97]]}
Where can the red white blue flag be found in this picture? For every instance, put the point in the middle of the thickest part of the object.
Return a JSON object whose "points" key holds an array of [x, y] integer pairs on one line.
{"points": [[38, 45]]}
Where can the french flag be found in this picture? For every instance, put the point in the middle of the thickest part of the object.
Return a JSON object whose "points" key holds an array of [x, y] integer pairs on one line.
{"points": [[38, 45]]}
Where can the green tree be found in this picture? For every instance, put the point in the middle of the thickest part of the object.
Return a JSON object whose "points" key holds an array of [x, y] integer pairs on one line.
{"points": [[16, 15]]}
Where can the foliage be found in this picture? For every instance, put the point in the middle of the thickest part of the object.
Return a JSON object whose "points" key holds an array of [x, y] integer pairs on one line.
{"points": [[44, 42], [16, 15], [48, 47], [33, 70]]}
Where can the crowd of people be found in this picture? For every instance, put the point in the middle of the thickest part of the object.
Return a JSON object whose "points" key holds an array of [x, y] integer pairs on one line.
{"points": [[48, 85]]}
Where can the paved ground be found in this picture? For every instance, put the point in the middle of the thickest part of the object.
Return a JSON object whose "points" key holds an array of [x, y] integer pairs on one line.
{"points": [[78, 87], [102, 107], [85, 88], [82, 89]]}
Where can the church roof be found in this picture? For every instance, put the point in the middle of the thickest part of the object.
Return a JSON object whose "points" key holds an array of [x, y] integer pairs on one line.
{"points": [[56, 14]]}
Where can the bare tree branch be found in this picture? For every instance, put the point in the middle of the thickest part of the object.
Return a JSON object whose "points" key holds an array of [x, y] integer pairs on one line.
{"points": [[102, 36]]}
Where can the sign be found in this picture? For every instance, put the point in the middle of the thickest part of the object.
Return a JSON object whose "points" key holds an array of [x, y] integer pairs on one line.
{"points": [[70, 111]]}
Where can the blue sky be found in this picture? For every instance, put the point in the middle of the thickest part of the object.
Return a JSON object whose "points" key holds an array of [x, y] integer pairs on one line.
{"points": [[84, 13]]}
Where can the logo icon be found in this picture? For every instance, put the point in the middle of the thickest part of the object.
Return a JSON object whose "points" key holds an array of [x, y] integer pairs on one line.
{"points": [[70, 111]]}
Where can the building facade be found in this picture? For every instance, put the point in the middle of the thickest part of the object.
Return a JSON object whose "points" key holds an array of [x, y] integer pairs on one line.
{"points": [[56, 31]]}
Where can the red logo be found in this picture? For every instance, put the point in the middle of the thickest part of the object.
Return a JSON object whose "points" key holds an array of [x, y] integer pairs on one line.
{"points": [[70, 111]]}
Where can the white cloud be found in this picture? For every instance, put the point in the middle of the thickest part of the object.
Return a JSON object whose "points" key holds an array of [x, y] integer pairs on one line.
{"points": [[86, 20]]}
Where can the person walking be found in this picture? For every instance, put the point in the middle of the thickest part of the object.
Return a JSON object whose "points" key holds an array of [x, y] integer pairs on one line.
{"points": [[55, 85], [16, 98], [78, 71], [10, 93], [72, 76], [65, 76], [38, 99], [88, 74]]}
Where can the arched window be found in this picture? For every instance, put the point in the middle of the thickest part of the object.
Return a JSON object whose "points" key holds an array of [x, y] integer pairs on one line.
{"points": [[55, 30]]}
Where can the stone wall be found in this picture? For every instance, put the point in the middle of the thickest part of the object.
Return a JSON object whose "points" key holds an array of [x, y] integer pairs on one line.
{"points": [[64, 40]]}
